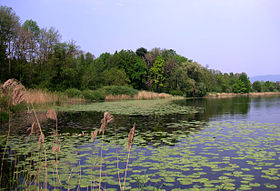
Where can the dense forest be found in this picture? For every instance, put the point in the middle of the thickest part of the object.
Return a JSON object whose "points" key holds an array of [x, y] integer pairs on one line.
{"points": [[39, 59]]}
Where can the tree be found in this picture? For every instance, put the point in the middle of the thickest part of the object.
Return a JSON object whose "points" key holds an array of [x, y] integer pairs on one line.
{"points": [[32, 26], [115, 76], [257, 86], [141, 52], [9, 25], [90, 78], [269, 86], [157, 73], [243, 84]]}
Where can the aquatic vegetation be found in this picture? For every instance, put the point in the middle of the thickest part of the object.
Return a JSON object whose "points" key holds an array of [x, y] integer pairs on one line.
{"points": [[226, 155], [136, 107]]}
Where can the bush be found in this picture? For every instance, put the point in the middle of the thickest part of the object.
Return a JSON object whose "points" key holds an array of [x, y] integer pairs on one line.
{"points": [[96, 95], [119, 90], [73, 92], [4, 116], [177, 93], [4, 102]]}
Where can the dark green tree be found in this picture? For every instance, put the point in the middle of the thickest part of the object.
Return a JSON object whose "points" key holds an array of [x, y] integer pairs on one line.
{"points": [[257, 86], [141, 52]]}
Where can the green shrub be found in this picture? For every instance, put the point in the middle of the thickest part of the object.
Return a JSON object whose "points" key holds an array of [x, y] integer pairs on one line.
{"points": [[18, 107], [119, 90], [177, 93], [4, 103], [4, 116], [96, 95], [73, 92]]}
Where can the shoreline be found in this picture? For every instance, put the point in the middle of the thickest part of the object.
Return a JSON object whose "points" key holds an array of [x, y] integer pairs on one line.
{"points": [[251, 94]]}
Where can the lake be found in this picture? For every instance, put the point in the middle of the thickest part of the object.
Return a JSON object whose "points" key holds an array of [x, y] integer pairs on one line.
{"points": [[179, 144]]}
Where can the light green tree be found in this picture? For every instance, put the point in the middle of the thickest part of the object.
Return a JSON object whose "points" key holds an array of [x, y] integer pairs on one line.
{"points": [[157, 73]]}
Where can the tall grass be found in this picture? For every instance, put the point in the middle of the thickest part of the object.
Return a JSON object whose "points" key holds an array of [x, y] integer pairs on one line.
{"points": [[139, 96]]}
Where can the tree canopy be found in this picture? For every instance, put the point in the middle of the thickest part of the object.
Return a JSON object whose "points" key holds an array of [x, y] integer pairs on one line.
{"points": [[39, 59]]}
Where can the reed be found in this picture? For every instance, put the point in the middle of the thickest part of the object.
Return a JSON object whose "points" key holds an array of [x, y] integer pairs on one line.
{"points": [[37, 171], [130, 140], [108, 118], [139, 96], [151, 95]]}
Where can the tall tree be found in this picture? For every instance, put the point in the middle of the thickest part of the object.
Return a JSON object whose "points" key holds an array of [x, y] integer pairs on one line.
{"points": [[157, 73], [9, 26]]}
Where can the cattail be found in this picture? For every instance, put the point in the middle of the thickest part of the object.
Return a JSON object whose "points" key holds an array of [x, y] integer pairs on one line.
{"points": [[130, 137], [93, 135], [51, 114], [108, 118]]}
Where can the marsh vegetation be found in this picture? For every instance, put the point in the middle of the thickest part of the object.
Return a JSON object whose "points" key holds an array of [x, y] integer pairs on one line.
{"points": [[196, 144]]}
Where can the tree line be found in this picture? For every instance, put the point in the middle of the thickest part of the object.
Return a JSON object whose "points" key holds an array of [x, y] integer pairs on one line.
{"points": [[39, 59]]}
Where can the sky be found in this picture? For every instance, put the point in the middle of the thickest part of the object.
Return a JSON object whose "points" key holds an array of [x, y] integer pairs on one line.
{"points": [[226, 35]]}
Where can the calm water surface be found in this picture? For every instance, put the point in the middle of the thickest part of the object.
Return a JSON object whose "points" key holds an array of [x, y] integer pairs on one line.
{"points": [[233, 144]]}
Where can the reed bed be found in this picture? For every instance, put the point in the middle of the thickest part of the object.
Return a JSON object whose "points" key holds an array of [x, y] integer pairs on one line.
{"points": [[35, 174], [252, 94], [42, 97], [151, 95], [141, 95]]}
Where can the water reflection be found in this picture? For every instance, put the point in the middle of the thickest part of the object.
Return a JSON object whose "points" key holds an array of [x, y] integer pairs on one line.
{"points": [[259, 109]]}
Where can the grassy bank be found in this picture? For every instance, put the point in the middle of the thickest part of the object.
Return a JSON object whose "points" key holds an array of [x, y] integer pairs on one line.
{"points": [[253, 94], [111, 93]]}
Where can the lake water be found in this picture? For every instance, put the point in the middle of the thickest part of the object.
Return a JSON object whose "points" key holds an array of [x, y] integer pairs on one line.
{"points": [[197, 144]]}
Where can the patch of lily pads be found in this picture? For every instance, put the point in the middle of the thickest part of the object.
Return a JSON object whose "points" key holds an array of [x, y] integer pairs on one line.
{"points": [[136, 107], [227, 155]]}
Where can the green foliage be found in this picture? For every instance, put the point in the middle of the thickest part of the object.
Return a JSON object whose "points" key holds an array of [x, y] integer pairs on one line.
{"points": [[73, 92], [94, 95], [257, 86], [177, 93], [4, 116], [30, 25], [157, 72], [115, 76], [242, 85], [39, 59], [18, 108], [141, 52], [4, 102], [119, 90], [269, 86]]}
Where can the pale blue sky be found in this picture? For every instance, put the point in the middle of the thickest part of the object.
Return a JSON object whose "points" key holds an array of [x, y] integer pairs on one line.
{"points": [[228, 35]]}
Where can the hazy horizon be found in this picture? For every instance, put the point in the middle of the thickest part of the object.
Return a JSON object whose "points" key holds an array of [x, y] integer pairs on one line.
{"points": [[230, 36]]}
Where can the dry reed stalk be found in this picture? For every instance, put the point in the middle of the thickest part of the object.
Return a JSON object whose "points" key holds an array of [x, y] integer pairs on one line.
{"points": [[15, 90], [150, 95], [33, 129], [39, 96], [130, 137], [93, 135], [51, 114], [108, 118], [69, 177], [118, 169], [130, 141], [117, 97], [41, 141]]}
